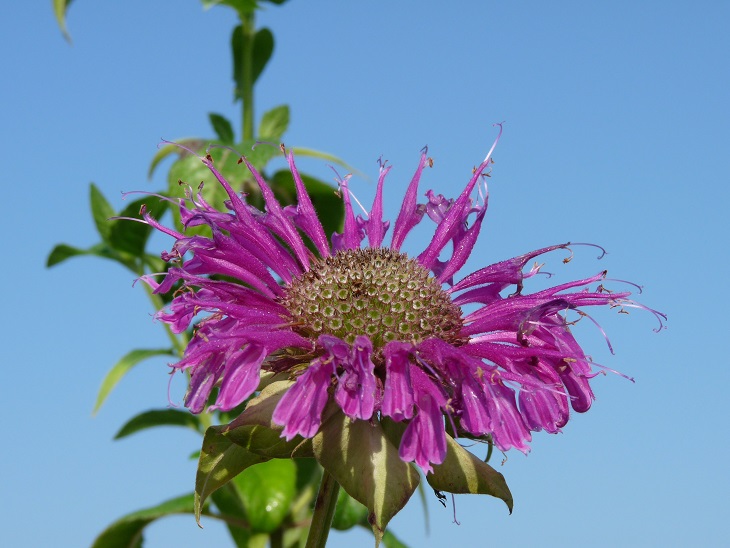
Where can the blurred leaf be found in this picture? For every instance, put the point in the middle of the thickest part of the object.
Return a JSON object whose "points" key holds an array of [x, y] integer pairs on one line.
{"points": [[172, 148], [62, 252], [191, 170], [348, 513], [222, 127], [263, 47], [101, 211], [310, 152], [159, 417], [328, 205], [220, 461], [462, 472], [241, 6], [366, 465], [390, 540], [228, 501], [274, 124], [60, 7], [121, 368], [127, 531], [130, 236], [267, 491]]}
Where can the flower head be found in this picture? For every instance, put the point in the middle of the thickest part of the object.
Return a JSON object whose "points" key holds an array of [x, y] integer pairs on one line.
{"points": [[377, 332]]}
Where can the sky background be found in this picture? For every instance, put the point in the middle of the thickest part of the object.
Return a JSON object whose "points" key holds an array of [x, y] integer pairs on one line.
{"points": [[616, 133]]}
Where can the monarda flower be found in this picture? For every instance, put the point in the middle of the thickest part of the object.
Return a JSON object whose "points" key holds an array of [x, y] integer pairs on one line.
{"points": [[363, 341]]}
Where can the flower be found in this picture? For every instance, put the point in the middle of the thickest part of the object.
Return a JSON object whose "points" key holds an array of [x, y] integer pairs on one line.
{"points": [[378, 332]]}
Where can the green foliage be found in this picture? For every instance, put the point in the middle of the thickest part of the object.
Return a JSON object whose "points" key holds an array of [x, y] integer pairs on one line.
{"points": [[122, 367], [267, 491], [258, 51], [261, 485], [274, 123], [160, 417], [222, 127], [127, 532]]}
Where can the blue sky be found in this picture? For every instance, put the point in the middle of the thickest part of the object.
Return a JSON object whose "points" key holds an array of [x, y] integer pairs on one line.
{"points": [[616, 132]]}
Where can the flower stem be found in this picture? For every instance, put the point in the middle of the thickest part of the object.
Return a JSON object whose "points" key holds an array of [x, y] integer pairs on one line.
{"points": [[248, 27], [324, 511]]}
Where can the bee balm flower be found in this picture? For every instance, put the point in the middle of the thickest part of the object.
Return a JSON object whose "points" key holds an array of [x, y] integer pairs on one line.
{"points": [[377, 332]]}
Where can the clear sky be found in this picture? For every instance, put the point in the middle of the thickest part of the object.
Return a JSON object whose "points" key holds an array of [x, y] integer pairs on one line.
{"points": [[616, 132]]}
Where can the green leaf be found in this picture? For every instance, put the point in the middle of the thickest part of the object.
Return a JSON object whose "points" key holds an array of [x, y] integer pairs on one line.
{"points": [[328, 205], [348, 513], [127, 531], [191, 170], [62, 252], [228, 501], [366, 464], [222, 127], [310, 152], [267, 491], [130, 236], [462, 472], [391, 541], [172, 148], [220, 461], [159, 417], [274, 124], [60, 7], [263, 47], [122, 367], [241, 6], [255, 430], [101, 211]]}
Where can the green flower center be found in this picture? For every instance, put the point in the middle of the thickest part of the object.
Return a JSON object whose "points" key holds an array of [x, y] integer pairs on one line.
{"points": [[376, 292]]}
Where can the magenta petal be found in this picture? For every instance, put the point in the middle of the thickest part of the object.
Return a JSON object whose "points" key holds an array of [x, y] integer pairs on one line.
{"points": [[356, 387], [424, 440], [300, 410], [398, 400], [410, 214], [241, 377]]}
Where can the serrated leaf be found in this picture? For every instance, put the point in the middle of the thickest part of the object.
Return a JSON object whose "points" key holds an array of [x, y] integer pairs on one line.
{"points": [[127, 531], [267, 491], [101, 211], [366, 465], [274, 124], [222, 127], [159, 417], [122, 367], [220, 461], [461, 472]]}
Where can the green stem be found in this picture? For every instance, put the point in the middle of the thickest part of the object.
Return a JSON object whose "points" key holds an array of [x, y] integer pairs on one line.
{"points": [[324, 511], [249, 32]]}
